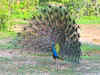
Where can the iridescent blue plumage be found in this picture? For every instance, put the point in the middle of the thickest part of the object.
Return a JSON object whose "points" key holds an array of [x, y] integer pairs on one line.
{"points": [[54, 50]]}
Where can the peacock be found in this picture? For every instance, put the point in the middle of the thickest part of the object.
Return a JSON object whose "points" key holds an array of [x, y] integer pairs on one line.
{"points": [[57, 23], [57, 30]]}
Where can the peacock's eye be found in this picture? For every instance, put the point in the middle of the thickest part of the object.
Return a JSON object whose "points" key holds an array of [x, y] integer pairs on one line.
{"points": [[40, 17], [24, 28], [60, 6], [56, 10], [73, 21], [49, 6], [76, 29], [66, 13], [50, 12], [47, 18], [73, 28], [61, 14], [69, 19], [78, 35], [69, 26], [44, 10], [33, 17], [78, 26]]}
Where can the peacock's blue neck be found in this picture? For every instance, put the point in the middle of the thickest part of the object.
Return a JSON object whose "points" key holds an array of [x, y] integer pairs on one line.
{"points": [[53, 49]]}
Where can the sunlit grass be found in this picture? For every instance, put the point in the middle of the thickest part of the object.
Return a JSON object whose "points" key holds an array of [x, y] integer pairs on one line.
{"points": [[7, 34], [89, 47], [89, 20]]}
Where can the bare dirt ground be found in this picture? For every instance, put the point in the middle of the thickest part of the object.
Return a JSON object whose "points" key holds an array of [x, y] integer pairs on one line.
{"points": [[13, 63], [41, 65], [90, 33]]}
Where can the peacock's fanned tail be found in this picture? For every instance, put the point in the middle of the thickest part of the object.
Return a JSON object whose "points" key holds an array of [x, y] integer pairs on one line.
{"points": [[54, 24], [62, 28]]}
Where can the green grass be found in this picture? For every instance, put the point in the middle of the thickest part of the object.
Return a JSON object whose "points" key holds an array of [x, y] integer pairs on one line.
{"points": [[89, 20], [90, 57], [4, 59], [7, 34], [8, 46], [89, 47]]}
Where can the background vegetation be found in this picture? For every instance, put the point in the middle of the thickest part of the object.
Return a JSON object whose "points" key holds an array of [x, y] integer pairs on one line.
{"points": [[25, 9]]}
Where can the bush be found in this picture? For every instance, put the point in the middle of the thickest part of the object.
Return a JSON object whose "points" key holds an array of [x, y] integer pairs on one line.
{"points": [[3, 15]]}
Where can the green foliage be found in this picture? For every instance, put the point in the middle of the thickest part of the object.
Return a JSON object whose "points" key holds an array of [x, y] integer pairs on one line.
{"points": [[11, 10], [3, 20], [27, 8], [3, 15], [24, 10], [11, 44]]}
